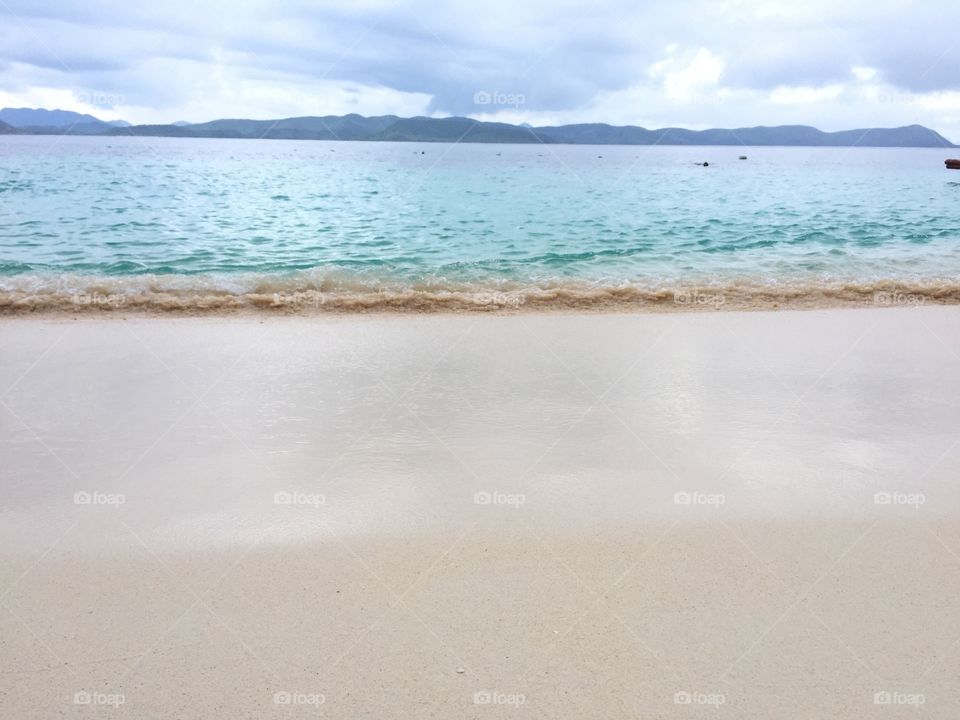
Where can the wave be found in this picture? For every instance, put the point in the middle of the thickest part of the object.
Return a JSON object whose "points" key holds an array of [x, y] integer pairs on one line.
{"points": [[305, 293]]}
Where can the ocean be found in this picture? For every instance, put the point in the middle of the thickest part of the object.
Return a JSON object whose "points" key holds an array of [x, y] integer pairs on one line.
{"points": [[208, 224]]}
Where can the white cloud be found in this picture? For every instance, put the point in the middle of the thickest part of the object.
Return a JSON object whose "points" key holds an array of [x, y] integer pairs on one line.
{"points": [[685, 80], [802, 95], [228, 91], [939, 100]]}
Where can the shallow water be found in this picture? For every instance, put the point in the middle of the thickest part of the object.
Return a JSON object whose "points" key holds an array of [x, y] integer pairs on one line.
{"points": [[128, 218]]}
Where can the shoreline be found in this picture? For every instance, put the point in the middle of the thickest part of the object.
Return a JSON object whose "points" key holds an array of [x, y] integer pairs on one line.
{"points": [[106, 299]]}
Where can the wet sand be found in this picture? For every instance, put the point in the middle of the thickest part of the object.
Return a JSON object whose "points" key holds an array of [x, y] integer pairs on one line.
{"points": [[745, 515]]}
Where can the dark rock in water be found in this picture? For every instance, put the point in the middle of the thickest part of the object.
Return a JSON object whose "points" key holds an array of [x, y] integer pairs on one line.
{"points": [[706, 164], [953, 164], [743, 157]]}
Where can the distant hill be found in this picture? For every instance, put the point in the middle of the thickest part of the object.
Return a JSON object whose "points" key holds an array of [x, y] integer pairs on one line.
{"points": [[45, 122], [6, 129], [453, 129], [24, 118], [461, 129], [802, 135]]}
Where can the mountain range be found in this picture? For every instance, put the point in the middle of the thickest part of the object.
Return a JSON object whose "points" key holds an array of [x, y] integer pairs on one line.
{"points": [[42, 121], [461, 129]]}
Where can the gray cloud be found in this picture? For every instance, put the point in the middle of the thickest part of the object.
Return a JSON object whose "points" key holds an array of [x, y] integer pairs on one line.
{"points": [[560, 56]]}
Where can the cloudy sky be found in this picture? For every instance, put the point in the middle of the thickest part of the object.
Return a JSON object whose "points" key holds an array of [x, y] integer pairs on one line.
{"points": [[835, 64]]}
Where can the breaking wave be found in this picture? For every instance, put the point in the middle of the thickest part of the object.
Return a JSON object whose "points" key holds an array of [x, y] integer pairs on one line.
{"points": [[306, 293]]}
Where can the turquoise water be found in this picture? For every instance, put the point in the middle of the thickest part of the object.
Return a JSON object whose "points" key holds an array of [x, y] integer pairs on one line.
{"points": [[238, 216]]}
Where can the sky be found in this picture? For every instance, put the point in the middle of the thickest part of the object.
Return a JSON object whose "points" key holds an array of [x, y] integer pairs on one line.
{"points": [[836, 64]]}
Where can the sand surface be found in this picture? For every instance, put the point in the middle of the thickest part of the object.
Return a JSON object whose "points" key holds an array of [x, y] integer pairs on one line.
{"points": [[743, 515]]}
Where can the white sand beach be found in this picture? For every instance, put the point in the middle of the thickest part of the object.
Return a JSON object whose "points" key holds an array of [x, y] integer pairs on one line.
{"points": [[724, 515]]}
